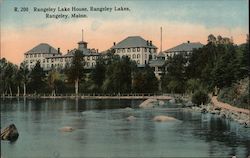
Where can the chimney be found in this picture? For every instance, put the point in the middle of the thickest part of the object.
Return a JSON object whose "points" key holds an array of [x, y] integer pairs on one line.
{"points": [[68, 51], [150, 43], [58, 50], [188, 41], [114, 43]]}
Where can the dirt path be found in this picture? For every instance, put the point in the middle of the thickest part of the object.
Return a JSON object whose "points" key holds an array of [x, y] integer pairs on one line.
{"points": [[217, 103]]}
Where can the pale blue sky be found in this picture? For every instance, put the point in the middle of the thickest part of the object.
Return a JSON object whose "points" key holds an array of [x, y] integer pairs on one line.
{"points": [[210, 13]]}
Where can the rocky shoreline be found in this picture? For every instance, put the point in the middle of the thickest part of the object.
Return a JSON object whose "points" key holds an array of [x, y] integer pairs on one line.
{"points": [[242, 116], [239, 117]]}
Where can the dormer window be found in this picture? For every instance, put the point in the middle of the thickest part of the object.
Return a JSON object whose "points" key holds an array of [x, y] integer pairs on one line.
{"points": [[128, 50], [138, 49]]}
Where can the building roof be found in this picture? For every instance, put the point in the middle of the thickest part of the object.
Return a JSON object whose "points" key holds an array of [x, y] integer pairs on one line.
{"points": [[132, 42], [185, 47], [42, 48], [157, 62]]}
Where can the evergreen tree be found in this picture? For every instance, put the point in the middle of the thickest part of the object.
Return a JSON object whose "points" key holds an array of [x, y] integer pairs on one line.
{"points": [[37, 79], [75, 72]]}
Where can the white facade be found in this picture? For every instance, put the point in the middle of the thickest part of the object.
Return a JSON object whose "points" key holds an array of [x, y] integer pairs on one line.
{"points": [[137, 49], [50, 58]]}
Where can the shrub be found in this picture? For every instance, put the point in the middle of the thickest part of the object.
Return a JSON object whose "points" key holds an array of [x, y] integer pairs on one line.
{"points": [[200, 97]]}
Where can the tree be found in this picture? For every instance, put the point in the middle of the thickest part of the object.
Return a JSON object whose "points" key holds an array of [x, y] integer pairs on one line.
{"points": [[3, 65], [118, 75], [175, 78], [24, 76], [37, 78], [75, 72], [145, 80], [98, 74], [53, 77]]}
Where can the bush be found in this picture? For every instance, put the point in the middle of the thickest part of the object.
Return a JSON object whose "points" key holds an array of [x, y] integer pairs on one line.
{"points": [[200, 97]]}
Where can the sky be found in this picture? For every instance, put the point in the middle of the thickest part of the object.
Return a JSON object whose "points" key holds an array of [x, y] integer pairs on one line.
{"points": [[181, 21]]}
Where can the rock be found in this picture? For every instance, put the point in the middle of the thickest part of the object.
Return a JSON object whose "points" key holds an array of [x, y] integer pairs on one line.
{"points": [[189, 104], [204, 110], [247, 125], [66, 129], [218, 108], [149, 103], [10, 133], [172, 101], [128, 108], [161, 103], [131, 118], [162, 118]]}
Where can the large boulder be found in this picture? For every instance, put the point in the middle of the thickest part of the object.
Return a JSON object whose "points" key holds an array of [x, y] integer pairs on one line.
{"points": [[149, 103], [10, 133], [131, 118], [66, 129], [162, 118]]}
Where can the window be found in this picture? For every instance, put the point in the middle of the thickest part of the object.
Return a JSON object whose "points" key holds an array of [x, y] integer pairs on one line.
{"points": [[129, 56], [145, 49], [133, 49], [123, 50], [145, 56], [61, 59], [138, 56], [35, 55], [128, 50], [93, 64], [134, 56], [43, 60], [93, 57], [31, 55], [138, 61], [138, 49], [27, 56], [88, 58], [87, 63]]}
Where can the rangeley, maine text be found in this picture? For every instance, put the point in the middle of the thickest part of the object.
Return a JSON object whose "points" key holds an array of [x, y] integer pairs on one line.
{"points": [[70, 12]]}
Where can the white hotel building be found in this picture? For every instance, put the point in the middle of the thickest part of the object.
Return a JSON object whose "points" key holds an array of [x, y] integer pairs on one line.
{"points": [[50, 57], [137, 49]]}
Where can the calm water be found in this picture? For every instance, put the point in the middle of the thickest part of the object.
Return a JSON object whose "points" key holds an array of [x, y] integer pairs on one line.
{"points": [[103, 131]]}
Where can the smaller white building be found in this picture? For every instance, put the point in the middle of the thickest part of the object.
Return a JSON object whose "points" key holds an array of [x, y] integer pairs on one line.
{"points": [[186, 48], [137, 49]]}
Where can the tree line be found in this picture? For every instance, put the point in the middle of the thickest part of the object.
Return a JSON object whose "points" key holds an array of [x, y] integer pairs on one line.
{"points": [[111, 74], [209, 69]]}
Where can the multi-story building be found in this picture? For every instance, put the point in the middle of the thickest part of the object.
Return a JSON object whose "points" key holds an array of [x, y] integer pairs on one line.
{"points": [[40, 53], [137, 49], [159, 63], [185, 48], [50, 58]]}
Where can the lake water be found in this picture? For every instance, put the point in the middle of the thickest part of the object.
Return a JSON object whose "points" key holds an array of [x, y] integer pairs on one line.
{"points": [[101, 130]]}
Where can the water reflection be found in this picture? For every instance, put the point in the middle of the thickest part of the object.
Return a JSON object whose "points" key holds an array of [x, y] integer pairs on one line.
{"points": [[103, 131]]}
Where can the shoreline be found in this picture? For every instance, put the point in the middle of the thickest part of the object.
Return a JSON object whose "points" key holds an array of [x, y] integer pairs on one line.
{"points": [[160, 97], [224, 110]]}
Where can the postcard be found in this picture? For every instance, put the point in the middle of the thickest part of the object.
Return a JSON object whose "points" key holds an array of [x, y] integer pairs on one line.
{"points": [[124, 78]]}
